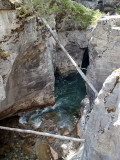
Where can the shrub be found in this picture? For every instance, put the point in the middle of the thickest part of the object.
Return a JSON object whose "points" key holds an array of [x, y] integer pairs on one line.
{"points": [[118, 10], [64, 9]]}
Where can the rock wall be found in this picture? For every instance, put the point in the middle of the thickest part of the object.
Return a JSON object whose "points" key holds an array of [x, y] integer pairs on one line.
{"points": [[99, 124], [29, 75], [75, 43], [111, 5], [89, 3], [102, 127], [104, 47], [28, 71], [6, 4], [103, 5]]}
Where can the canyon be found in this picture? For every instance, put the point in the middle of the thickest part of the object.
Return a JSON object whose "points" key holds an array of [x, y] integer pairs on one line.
{"points": [[30, 58]]}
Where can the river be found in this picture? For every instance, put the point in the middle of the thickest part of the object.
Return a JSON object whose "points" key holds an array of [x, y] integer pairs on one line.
{"points": [[69, 91]]}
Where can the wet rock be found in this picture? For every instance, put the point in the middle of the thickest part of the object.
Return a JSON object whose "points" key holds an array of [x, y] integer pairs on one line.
{"points": [[85, 102], [64, 131], [43, 151], [51, 140], [48, 126], [26, 149], [49, 115], [1, 151], [54, 153], [65, 149]]}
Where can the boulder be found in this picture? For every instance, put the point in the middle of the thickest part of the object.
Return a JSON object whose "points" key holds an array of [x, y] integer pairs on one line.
{"points": [[44, 151]]}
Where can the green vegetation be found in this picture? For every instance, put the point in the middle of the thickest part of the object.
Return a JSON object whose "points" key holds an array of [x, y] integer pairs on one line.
{"points": [[2, 54], [118, 10], [78, 12], [64, 9], [1, 50]]}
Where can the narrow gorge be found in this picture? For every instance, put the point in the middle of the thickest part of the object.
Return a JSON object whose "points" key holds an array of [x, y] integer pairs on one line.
{"points": [[40, 88]]}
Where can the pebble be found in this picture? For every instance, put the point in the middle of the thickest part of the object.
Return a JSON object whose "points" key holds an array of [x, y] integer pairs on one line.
{"points": [[27, 157], [15, 156], [51, 140]]}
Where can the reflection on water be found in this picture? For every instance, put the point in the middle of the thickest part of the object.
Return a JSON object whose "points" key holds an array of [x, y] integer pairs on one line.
{"points": [[69, 91]]}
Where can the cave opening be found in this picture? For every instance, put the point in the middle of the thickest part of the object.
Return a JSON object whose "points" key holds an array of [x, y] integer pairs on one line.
{"points": [[85, 61]]}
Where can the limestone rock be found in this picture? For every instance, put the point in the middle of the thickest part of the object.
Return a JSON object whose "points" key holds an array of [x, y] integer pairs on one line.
{"points": [[103, 5], [2, 90], [102, 129], [89, 3], [43, 151], [104, 47], [76, 43], [6, 5], [29, 83], [28, 73], [54, 154], [111, 5]]}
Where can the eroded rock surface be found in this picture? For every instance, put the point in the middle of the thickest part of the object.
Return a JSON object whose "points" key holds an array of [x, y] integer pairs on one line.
{"points": [[28, 73], [101, 131], [2, 90], [111, 5], [89, 3], [33, 57], [104, 51], [75, 43], [6, 4], [103, 5]]}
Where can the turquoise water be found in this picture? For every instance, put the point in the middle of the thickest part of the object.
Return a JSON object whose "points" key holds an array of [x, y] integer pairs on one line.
{"points": [[69, 91]]}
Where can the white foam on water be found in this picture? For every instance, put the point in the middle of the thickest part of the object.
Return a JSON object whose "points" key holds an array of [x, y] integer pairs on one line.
{"points": [[37, 122], [22, 120]]}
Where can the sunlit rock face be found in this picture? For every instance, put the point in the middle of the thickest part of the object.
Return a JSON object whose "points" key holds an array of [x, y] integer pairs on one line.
{"points": [[27, 73], [104, 51], [100, 126], [103, 126]]}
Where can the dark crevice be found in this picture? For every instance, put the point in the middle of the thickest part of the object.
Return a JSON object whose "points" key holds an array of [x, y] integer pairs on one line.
{"points": [[85, 61]]}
